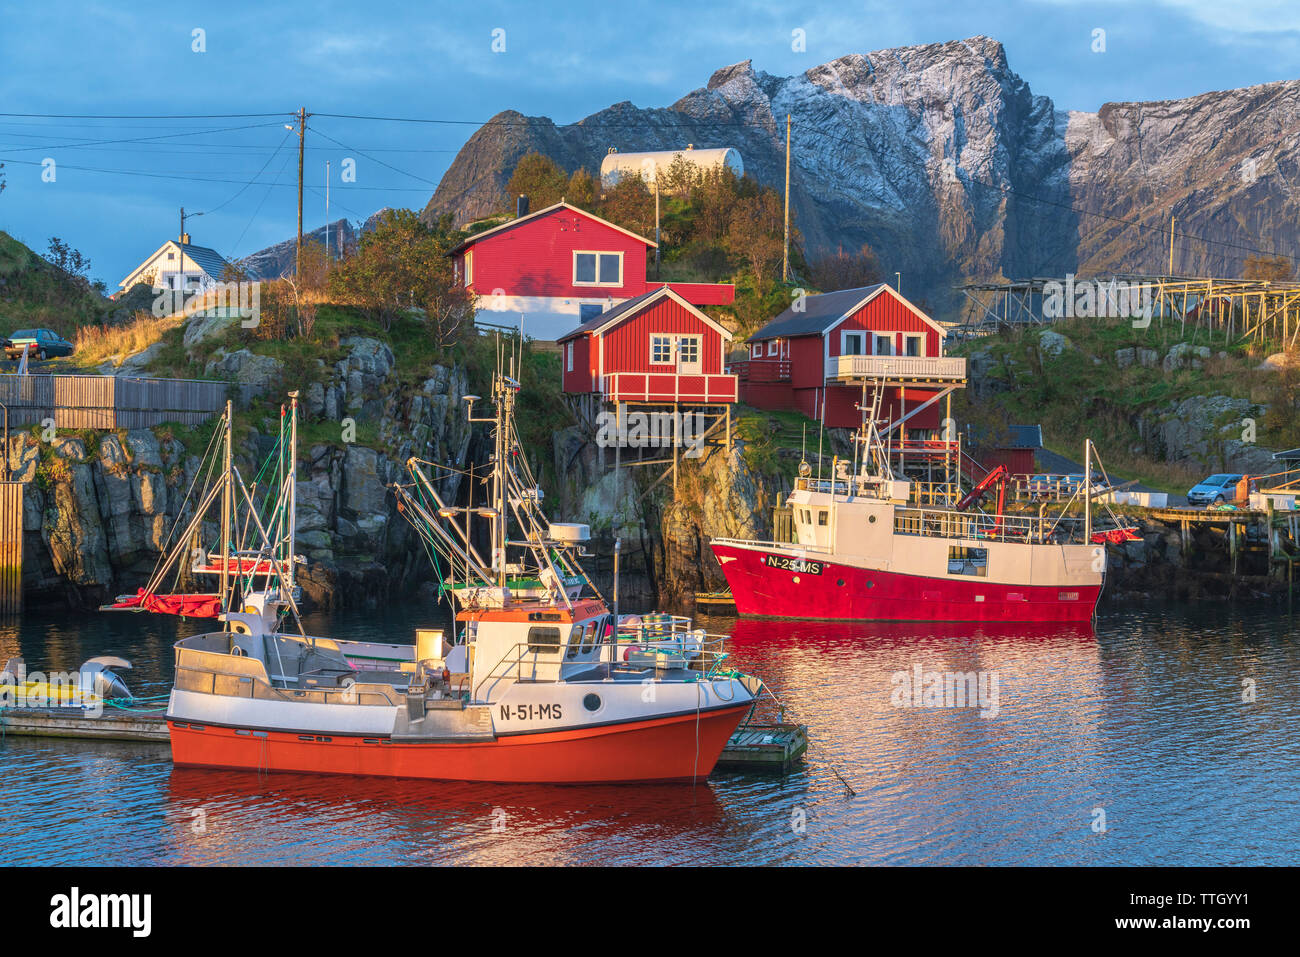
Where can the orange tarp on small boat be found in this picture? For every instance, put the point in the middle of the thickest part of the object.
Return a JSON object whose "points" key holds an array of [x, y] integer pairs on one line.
{"points": [[189, 606], [1116, 536]]}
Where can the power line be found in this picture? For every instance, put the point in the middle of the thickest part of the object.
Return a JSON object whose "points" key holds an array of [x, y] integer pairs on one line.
{"points": [[145, 116], [255, 177], [373, 160]]}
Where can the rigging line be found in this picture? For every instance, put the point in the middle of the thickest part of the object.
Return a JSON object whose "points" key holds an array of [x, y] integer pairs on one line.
{"points": [[373, 159]]}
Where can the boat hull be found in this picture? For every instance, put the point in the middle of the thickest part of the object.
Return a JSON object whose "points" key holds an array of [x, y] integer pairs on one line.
{"points": [[843, 592], [682, 747]]}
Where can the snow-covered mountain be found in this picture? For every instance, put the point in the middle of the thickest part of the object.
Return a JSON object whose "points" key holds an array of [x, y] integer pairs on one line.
{"points": [[944, 160]]}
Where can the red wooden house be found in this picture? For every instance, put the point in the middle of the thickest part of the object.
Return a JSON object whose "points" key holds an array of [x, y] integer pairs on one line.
{"points": [[1015, 447], [559, 267], [827, 353], [656, 348]]}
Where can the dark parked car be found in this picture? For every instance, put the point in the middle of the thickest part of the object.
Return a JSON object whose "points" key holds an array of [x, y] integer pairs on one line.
{"points": [[38, 344]]}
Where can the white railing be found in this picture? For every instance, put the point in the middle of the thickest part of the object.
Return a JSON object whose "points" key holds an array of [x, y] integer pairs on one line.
{"points": [[947, 368], [669, 387]]}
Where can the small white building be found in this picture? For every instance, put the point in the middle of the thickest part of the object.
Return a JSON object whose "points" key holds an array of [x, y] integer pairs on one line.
{"points": [[179, 265], [650, 166]]}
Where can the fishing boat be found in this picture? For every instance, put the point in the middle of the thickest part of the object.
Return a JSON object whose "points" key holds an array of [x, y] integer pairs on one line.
{"points": [[541, 680], [864, 549]]}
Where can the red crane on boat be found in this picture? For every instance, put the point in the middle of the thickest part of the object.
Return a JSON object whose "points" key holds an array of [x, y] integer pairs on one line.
{"points": [[998, 477]]}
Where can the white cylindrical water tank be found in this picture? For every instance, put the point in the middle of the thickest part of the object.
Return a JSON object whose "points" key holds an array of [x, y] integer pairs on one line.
{"points": [[650, 165]]}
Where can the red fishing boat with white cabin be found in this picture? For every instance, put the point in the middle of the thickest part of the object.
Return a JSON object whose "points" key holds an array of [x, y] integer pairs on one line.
{"points": [[864, 549], [542, 680]]}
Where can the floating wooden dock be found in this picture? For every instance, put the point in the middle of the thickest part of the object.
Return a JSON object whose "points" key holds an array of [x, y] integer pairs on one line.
{"points": [[769, 747], [115, 724]]}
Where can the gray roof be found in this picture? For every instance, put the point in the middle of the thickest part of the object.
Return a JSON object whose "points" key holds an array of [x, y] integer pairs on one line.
{"points": [[209, 260], [819, 313], [1017, 436], [613, 314]]}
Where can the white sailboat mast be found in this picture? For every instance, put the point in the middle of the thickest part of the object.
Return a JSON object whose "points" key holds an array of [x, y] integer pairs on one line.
{"points": [[226, 505], [293, 488]]}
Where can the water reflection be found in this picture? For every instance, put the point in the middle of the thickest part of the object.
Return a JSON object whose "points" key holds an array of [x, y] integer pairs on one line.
{"points": [[1143, 718]]}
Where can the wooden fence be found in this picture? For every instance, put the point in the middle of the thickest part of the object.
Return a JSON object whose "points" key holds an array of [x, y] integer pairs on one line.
{"points": [[109, 402], [11, 547]]}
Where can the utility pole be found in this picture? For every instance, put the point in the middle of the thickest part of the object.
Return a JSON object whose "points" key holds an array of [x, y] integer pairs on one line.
{"points": [[785, 254], [302, 129], [327, 215]]}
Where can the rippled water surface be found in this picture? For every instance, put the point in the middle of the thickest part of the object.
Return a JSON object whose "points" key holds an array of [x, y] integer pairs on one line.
{"points": [[1141, 723]]}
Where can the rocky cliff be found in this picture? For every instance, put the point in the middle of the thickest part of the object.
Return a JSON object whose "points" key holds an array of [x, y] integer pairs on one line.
{"points": [[99, 507], [943, 159]]}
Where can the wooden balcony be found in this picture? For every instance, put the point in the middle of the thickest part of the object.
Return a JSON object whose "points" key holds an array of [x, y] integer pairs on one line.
{"points": [[936, 370], [688, 389], [761, 370]]}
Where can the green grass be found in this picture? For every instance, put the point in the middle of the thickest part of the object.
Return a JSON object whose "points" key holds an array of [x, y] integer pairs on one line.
{"points": [[1072, 395]]}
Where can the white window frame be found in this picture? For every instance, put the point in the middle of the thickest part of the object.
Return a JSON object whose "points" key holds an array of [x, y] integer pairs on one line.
{"points": [[569, 363], [860, 335], [914, 337], [699, 350], [757, 350], [672, 349], [875, 344], [469, 267], [597, 253]]}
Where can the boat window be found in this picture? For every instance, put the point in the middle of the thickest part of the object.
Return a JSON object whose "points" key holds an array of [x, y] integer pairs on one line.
{"points": [[575, 638], [543, 638], [589, 636], [968, 561], [821, 517]]}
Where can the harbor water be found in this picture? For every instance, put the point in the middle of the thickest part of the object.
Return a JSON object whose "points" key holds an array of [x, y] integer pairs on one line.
{"points": [[1167, 735]]}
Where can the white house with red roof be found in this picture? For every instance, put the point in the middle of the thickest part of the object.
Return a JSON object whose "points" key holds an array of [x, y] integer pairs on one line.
{"points": [[559, 267]]}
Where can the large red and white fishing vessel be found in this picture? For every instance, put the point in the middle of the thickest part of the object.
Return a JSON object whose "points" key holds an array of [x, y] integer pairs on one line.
{"points": [[865, 549], [542, 680]]}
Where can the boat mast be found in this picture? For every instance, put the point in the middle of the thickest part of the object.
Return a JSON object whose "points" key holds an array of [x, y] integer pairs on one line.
{"points": [[1087, 491], [293, 486], [225, 515]]}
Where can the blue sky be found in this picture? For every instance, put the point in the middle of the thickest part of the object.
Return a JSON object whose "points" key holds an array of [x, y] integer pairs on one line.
{"points": [[436, 61]]}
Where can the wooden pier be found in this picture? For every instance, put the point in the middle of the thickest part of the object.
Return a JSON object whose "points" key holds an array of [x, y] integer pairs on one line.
{"points": [[765, 747], [115, 724], [11, 546]]}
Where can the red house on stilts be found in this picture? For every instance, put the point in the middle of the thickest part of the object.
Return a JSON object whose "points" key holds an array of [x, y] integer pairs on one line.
{"points": [[829, 355], [655, 350]]}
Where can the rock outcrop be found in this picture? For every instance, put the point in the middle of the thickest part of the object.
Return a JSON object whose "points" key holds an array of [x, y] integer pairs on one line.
{"points": [[96, 519]]}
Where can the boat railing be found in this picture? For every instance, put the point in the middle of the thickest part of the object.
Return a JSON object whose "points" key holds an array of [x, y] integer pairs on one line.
{"points": [[946, 523], [694, 650], [785, 546], [205, 664]]}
